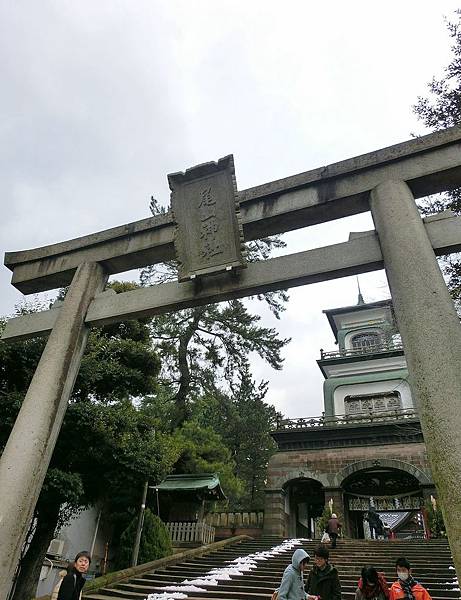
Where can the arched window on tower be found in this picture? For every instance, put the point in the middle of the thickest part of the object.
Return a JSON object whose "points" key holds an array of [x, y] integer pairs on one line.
{"points": [[366, 341]]}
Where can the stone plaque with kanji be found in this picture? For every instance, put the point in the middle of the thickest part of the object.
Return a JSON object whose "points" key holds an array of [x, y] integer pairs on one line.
{"points": [[209, 236]]}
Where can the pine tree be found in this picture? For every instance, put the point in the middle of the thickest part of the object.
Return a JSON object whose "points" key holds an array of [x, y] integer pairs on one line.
{"points": [[208, 347]]}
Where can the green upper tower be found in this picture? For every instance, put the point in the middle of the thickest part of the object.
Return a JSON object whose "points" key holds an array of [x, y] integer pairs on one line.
{"points": [[367, 373]]}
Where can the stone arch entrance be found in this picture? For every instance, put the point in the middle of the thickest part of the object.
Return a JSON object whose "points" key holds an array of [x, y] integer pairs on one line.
{"points": [[384, 462], [304, 503], [393, 489]]}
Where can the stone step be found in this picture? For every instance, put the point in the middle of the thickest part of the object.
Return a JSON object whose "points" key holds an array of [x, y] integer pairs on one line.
{"points": [[419, 568], [215, 593], [103, 595], [437, 589], [430, 560], [334, 557]]}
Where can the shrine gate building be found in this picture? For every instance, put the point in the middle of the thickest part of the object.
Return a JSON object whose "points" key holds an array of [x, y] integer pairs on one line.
{"points": [[365, 449]]}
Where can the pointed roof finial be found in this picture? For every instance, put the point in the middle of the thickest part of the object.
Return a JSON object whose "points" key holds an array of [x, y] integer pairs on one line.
{"points": [[360, 300]]}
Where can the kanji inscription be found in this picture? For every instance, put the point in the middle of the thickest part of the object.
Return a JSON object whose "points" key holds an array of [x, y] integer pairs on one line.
{"points": [[210, 245], [208, 237]]}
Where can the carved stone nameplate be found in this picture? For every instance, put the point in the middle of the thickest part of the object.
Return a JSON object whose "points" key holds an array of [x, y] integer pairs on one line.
{"points": [[209, 236]]}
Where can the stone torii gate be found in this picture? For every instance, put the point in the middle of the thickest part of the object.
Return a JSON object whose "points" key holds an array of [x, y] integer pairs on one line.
{"points": [[204, 231]]}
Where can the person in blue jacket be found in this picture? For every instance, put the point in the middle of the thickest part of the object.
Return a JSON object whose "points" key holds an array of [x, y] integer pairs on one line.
{"points": [[292, 585]]}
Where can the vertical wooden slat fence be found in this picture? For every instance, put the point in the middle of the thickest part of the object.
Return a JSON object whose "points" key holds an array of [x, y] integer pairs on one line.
{"points": [[191, 532]]}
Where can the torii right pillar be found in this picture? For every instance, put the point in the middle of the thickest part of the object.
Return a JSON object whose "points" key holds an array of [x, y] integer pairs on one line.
{"points": [[431, 336]]}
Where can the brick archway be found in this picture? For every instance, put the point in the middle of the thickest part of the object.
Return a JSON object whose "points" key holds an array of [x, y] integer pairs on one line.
{"points": [[304, 502], [283, 480], [380, 478], [390, 463]]}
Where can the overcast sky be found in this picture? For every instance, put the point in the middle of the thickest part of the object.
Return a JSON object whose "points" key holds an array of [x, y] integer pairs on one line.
{"points": [[100, 100]]}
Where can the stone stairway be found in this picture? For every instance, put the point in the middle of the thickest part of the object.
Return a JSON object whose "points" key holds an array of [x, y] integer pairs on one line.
{"points": [[431, 561]]}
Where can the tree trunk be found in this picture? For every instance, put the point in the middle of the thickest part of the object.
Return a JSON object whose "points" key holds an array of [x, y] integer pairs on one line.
{"points": [[32, 561], [184, 371]]}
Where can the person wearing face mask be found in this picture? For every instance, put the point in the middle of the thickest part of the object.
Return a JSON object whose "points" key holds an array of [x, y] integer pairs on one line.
{"points": [[407, 588], [70, 587], [323, 580]]}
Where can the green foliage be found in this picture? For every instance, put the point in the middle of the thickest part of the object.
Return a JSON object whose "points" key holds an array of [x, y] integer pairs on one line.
{"points": [[103, 432], [435, 521], [17, 363], [203, 451], [155, 541], [114, 445], [326, 516], [244, 422], [207, 348], [115, 367], [443, 106], [225, 432]]}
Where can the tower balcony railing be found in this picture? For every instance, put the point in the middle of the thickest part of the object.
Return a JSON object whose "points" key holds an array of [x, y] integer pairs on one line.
{"points": [[376, 416], [381, 347]]}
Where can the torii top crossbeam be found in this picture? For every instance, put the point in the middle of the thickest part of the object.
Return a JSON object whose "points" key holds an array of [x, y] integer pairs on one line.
{"points": [[427, 164]]}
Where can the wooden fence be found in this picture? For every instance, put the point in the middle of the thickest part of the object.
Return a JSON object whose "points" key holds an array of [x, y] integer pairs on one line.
{"points": [[191, 532]]}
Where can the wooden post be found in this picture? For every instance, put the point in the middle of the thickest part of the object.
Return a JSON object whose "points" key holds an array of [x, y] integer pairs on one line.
{"points": [[137, 542]]}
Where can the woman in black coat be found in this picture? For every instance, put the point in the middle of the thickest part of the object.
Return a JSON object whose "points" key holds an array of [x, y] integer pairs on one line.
{"points": [[72, 584]]}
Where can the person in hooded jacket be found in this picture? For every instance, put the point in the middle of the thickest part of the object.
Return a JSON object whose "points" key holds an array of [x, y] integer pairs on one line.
{"points": [[70, 588], [323, 580], [292, 585]]}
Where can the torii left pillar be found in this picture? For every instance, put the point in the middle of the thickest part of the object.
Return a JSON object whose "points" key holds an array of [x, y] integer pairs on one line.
{"points": [[27, 455]]}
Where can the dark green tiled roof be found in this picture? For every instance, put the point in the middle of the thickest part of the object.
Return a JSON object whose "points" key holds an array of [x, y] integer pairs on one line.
{"points": [[202, 481]]}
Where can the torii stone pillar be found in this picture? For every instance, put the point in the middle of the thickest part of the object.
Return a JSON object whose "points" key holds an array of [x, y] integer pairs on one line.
{"points": [[431, 335], [27, 454]]}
